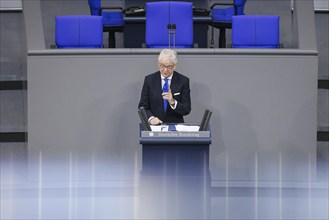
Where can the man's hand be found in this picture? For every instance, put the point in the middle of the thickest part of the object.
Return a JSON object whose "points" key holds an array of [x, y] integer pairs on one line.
{"points": [[155, 121], [169, 97]]}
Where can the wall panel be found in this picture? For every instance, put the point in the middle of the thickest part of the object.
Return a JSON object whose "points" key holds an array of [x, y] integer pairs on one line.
{"points": [[82, 109]]}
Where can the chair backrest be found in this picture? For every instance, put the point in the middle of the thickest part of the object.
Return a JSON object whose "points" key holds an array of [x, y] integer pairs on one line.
{"points": [[113, 18], [75, 31], [227, 10], [95, 7], [159, 15], [111, 15], [239, 4], [256, 31]]}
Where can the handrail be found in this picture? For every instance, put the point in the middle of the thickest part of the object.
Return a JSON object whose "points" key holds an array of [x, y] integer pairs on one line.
{"points": [[196, 51]]}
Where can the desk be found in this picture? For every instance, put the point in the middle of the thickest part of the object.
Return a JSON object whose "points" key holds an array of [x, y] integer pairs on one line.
{"points": [[134, 36], [222, 26]]}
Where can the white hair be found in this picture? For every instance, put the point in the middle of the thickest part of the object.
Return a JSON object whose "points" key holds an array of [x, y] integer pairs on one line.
{"points": [[168, 55]]}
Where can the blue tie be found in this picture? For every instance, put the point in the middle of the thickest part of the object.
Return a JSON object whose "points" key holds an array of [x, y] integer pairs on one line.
{"points": [[165, 89]]}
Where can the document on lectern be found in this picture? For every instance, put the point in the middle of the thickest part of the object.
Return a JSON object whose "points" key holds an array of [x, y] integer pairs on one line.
{"points": [[159, 127], [178, 127], [181, 127]]}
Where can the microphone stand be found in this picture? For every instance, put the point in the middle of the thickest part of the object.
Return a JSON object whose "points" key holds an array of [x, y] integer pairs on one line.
{"points": [[169, 26], [173, 31]]}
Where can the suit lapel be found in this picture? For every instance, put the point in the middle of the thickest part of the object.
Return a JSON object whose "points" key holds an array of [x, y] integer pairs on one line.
{"points": [[157, 83], [174, 83], [158, 88]]}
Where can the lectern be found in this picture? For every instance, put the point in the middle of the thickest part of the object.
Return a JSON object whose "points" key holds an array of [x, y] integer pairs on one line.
{"points": [[175, 153], [175, 176]]}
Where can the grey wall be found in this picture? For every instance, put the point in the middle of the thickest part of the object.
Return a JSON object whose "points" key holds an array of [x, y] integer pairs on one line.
{"points": [[321, 5], [83, 103], [264, 110], [11, 5]]}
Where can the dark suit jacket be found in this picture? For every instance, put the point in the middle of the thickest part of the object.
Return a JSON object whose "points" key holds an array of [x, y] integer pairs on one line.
{"points": [[152, 101]]}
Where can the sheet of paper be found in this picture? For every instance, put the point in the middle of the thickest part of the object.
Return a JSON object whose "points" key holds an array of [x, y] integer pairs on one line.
{"points": [[187, 127], [159, 127], [179, 127]]}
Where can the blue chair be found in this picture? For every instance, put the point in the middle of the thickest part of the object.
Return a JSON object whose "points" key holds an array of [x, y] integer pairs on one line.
{"points": [[161, 14], [256, 31], [78, 31], [112, 19], [221, 15]]}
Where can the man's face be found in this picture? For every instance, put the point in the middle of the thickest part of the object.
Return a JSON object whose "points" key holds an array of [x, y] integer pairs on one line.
{"points": [[166, 68]]}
